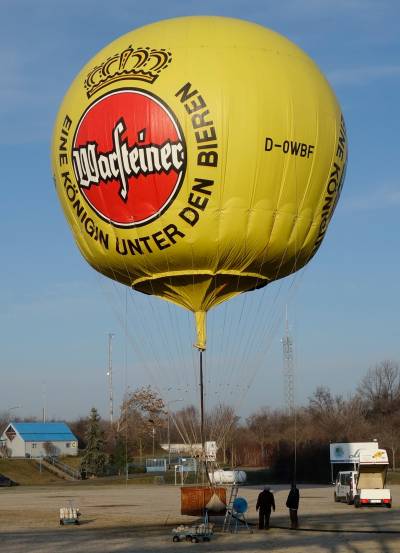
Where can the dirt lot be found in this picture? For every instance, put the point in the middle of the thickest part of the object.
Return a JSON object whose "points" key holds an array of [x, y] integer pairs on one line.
{"points": [[122, 519]]}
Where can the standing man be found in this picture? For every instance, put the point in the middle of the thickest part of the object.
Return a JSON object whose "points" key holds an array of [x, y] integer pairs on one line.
{"points": [[292, 503], [265, 503]]}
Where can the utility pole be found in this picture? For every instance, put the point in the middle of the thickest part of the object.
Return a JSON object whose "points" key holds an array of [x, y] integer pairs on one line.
{"points": [[288, 373], [288, 376], [109, 374], [44, 401]]}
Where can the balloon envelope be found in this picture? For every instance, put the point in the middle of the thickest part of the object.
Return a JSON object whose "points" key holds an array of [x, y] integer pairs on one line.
{"points": [[198, 158]]}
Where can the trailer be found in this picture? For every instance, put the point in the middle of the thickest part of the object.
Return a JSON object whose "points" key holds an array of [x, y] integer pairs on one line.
{"points": [[365, 484], [371, 479]]}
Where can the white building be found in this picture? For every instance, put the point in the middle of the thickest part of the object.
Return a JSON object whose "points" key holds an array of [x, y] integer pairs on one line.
{"points": [[37, 439]]}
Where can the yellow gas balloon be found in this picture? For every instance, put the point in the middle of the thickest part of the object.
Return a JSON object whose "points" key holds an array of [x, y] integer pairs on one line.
{"points": [[198, 158]]}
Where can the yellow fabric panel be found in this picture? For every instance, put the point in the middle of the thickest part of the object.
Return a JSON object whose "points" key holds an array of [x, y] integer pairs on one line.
{"points": [[198, 158]]}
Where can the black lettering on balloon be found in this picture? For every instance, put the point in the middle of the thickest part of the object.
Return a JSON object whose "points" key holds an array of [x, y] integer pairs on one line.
{"points": [[206, 138], [334, 186]]}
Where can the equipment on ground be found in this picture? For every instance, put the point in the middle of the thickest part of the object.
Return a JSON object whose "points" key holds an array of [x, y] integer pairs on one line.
{"points": [[235, 512], [69, 515], [197, 500], [221, 476], [194, 533]]}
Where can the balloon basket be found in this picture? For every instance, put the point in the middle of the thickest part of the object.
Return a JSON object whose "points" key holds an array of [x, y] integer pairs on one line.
{"points": [[194, 500]]}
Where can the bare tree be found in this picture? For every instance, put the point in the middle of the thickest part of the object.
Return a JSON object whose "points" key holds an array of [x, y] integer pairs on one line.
{"points": [[186, 425], [221, 425], [260, 425], [142, 414], [379, 392], [4, 419], [79, 428], [333, 418], [5, 452], [381, 387], [269, 428]]}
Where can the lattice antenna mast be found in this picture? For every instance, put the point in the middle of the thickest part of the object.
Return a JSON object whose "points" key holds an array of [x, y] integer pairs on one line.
{"points": [[288, 369]]}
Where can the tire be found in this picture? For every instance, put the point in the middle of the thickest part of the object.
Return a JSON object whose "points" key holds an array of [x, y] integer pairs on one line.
{"points": [[175, 539], [357, 504], [194, 539], [206, 538], [389, 505], [349, 500], [335, 497]]}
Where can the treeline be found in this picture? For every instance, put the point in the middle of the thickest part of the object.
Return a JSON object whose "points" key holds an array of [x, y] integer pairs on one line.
{"points": [[372, 412], [269, 438], [273, 439]]}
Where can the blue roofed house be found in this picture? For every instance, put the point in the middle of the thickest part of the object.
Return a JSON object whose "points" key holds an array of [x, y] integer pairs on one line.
{"points": [[39, 439]]}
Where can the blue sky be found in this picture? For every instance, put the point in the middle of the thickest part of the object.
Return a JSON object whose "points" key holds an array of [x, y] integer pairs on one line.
{"points": [[56, 312]]}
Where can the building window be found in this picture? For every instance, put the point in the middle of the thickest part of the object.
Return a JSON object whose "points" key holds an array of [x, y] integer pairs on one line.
{"points": [[67, 444], [33, 445]]}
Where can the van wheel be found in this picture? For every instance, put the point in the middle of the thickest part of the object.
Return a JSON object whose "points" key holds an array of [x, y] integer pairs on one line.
{"points": [[357, 503], [349, 500], [389, 505], [335, 497]]}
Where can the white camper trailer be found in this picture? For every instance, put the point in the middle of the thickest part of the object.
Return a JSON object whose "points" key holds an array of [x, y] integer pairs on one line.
{"points": [[365, 485]]}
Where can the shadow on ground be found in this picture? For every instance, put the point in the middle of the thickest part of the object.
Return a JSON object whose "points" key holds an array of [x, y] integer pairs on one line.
{"points": [[365, 535]]}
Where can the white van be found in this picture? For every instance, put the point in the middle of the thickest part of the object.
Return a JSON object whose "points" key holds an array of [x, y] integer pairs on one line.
{"points": [[346, 486]]}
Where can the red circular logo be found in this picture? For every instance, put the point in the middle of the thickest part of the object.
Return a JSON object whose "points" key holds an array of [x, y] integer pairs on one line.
{"points": [[129, 157]]}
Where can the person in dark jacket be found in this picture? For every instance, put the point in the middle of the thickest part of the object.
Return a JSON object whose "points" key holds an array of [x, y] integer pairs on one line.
{"points": [[265, 503], [292, 503]]}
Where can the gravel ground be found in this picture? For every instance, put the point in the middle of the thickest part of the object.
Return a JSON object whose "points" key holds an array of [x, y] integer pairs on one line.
{"points": [[122, 519]]}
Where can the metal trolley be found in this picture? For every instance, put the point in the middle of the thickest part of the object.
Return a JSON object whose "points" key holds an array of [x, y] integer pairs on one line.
{"points": [[69, 515], [193, 533]]}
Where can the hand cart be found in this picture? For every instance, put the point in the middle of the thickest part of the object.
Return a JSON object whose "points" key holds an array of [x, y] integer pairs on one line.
{"points": [[193, 533], [69, 515]]}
